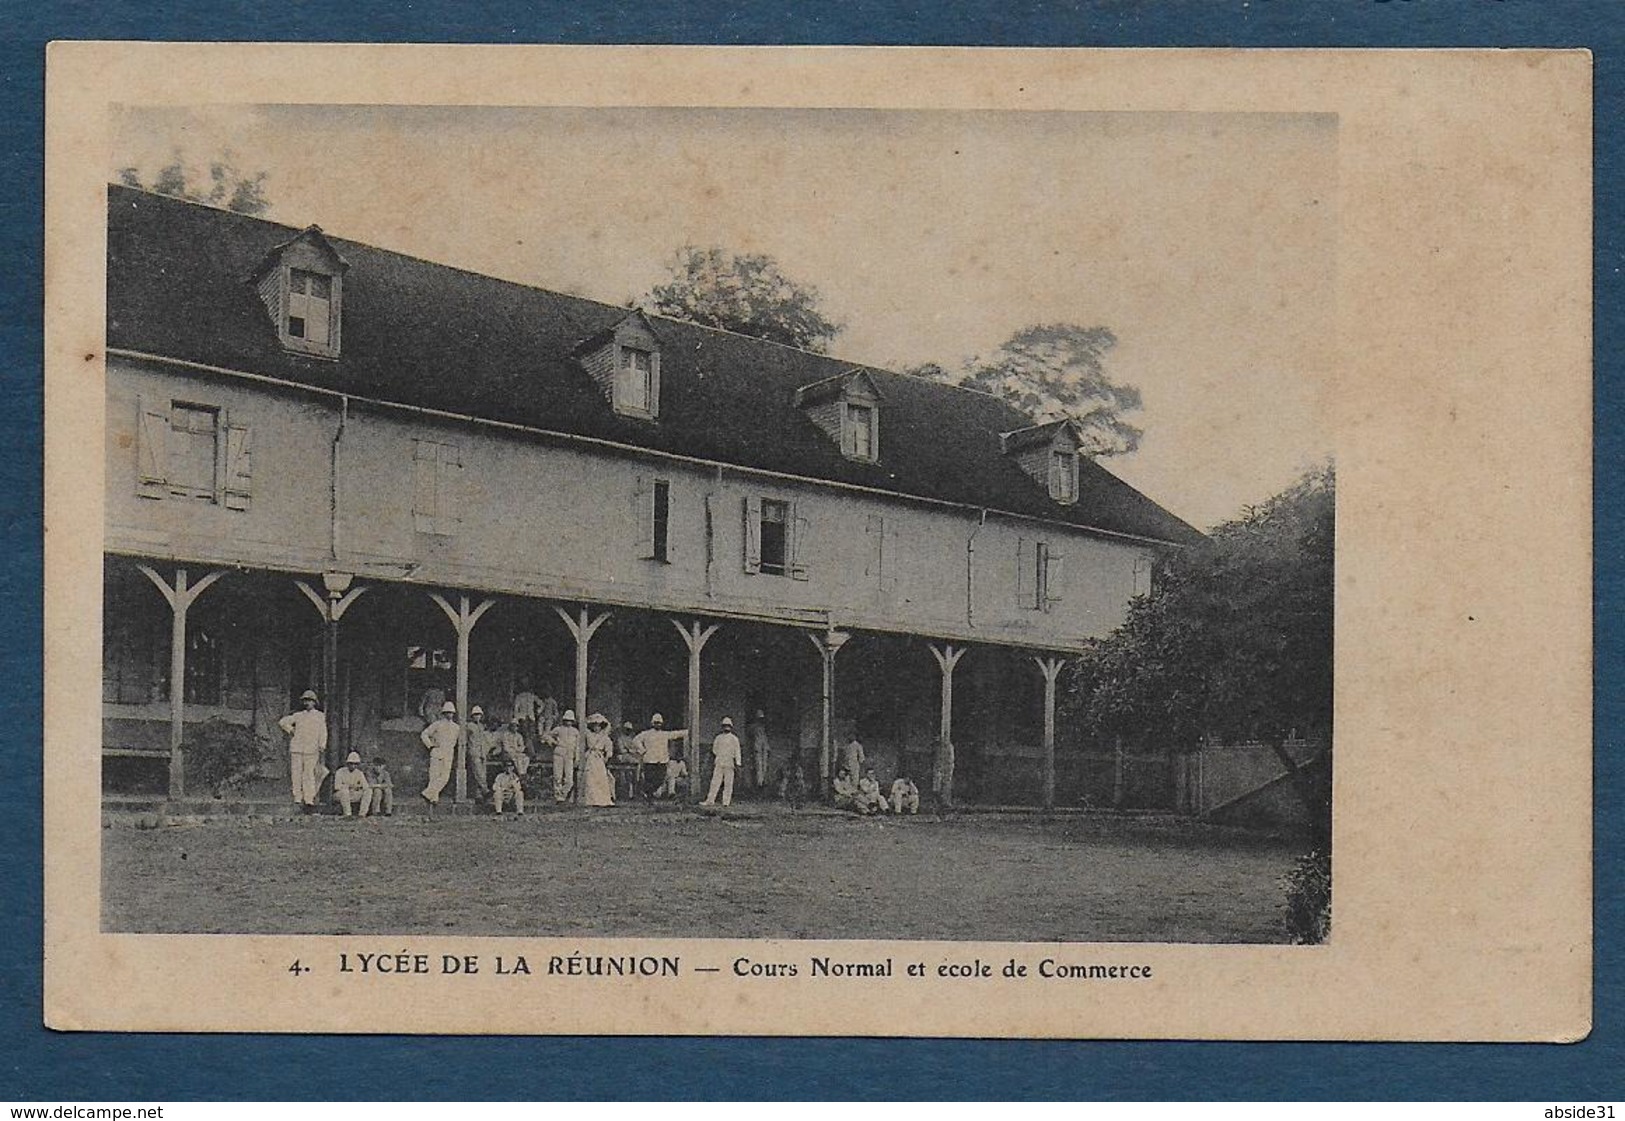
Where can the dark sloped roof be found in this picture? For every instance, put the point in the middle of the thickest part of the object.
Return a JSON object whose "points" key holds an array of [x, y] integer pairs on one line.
{"points": [[418, 333]]}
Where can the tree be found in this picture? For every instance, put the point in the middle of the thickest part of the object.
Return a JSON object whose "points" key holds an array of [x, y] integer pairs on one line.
{"points": [[227, 186], [1052, 371], [1234, 641], [742, 292]]}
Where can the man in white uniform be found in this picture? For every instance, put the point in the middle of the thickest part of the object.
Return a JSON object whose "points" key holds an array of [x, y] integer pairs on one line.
{"points": [[351, 786], [565, 740], [725, 756], [307, 739], [480, 740], [441, 739], [655, 741]]}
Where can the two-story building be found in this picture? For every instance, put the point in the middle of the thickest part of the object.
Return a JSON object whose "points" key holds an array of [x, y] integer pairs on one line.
{"points": [[333, 466]]}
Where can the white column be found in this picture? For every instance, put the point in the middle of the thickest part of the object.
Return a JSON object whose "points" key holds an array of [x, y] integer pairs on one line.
{"points": [[695, 636], [947, 656], [582, 627], [1051, 669], [463, 618], [331, 607], [828, 644], [180, 597]]}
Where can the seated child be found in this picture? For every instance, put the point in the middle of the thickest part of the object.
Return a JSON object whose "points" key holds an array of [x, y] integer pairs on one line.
{"points": [[383, 790], [870, 800], [905, 796], [508, 785], [793, 784], [846, 791], [350, 786]]}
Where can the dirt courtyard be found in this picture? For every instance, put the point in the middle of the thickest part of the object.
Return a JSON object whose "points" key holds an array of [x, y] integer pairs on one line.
{"points": [[751, 873]]}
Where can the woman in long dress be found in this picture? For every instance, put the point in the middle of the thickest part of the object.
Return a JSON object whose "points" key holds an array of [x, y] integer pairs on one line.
{"points": [[597, 788]]}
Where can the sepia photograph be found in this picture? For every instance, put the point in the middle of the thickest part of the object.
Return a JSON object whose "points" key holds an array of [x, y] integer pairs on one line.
{"points": [[752, 523], [844, 542]]}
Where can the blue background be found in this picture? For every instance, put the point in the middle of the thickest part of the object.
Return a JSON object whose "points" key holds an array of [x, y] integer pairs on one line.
{"points": [[37, 1064]]}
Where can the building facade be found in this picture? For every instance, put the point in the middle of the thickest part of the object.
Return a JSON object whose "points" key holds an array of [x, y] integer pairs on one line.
{"points": [[332, 466]]}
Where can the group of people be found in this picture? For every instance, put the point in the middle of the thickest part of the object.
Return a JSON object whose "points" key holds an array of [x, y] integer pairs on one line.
{"points": [[499, 759]]}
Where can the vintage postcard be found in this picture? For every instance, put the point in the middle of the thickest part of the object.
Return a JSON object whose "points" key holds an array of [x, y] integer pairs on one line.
{"points": [[1043, 543]]}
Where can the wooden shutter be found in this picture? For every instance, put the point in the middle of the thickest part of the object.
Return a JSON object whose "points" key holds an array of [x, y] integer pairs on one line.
{"points": [[449, 490], [753, 534], [425, 478], [1054, 577], [239, 466], [890, 557], [798, 529], [654, 384], [874, 532], [671, 522], [152, 460], [643, 517], [1025, 572]]}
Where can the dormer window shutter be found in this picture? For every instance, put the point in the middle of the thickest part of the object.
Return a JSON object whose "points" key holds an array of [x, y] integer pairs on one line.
{"points": [[800, 542]]}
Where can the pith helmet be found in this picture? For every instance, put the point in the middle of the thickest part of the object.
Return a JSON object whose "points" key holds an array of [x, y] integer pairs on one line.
{"points": [[727, 722], [476, 711], [309, 695], [353, 757], [569, 716], [657, 719], [598, 718], [450, 707]]}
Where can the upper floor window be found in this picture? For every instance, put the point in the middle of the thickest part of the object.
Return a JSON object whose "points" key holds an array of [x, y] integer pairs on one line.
{"points": [[437, 468], [192, 450], [634, 381], [1063, 475], [776, 538], [194, 430], [310, 305], [1040, 575], [651, 511]]}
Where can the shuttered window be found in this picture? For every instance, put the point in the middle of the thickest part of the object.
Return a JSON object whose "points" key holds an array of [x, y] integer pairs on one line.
{"points": [[436, 476], [637, 382], [651, 514], [192, 450], [777, 538]]}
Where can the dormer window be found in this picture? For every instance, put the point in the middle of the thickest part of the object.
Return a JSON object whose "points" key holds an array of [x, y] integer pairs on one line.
{"points": [[310, 305], [301, 283], [860, 432], [1048, 453], [634, 382], [1063, 476], [846, 408], [624, 362]]}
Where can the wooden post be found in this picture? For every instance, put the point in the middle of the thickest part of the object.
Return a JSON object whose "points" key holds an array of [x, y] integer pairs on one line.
{"points": [[583, 627], [340, 595], [180, 598], [947, 657], [828, 645], [695, 636], [463, 618], [1051, 669]]}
